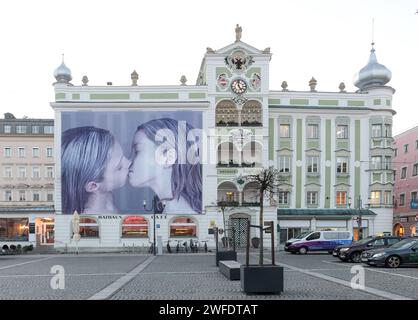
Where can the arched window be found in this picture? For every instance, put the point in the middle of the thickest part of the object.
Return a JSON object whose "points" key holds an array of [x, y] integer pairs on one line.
{"points": [[251, 194], [183, 227], [251, 113], [134, 227], [228, 194], [252, 154], [228, 155], [226, 114], [89, 227]]}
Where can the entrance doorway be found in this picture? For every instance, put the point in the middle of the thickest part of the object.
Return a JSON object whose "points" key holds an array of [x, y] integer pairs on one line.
{"points": [[47, 234], [399, 230], [239, 225]]}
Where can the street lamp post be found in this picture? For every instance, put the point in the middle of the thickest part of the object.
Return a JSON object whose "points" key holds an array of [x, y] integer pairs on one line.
{"points": [[359, 217], [222, 206], [153, 209], [360, 220]]}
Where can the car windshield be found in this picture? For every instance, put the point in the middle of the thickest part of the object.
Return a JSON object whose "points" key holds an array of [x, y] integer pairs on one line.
{"points": [[404, 244], [363, 241], [302, 235]]}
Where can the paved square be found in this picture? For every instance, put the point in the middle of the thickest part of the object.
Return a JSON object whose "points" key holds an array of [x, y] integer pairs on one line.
{"points": [[191, 276]]}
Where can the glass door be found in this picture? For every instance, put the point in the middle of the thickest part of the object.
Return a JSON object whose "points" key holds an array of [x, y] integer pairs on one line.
{"points": [[47, 235]]}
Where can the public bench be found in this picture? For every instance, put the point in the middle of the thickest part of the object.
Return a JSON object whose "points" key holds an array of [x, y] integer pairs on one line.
{"points": [[230, 269]]}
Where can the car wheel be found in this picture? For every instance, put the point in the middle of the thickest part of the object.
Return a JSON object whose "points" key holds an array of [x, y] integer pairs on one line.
{"points": [[393, 262], [303, 250], [355, 257]]}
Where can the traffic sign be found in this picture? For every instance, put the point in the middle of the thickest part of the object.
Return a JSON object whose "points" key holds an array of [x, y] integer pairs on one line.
{"points": [[416, 217]]}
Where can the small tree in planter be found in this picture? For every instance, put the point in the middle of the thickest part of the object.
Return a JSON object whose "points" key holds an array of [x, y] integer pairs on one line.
{"points": [[263, 278], [267, 182]]}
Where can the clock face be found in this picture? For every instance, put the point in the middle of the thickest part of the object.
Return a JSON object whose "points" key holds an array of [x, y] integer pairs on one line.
{"points": [[239, 86]]}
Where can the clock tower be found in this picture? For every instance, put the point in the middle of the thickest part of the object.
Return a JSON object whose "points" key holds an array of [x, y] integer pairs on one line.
{"points": [[237, 80]]}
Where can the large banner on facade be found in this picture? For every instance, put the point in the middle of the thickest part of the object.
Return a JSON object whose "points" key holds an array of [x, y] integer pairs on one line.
{"points": [[115, 162]]}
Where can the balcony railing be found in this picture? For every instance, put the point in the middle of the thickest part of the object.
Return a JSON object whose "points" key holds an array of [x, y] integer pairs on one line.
{"points": [[250, 204], [237, 124], [228, 203], [237, 204], [236, 165]]}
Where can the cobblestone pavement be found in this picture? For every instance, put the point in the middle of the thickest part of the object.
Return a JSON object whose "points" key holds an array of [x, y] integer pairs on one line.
{"points": [[190, 276]]}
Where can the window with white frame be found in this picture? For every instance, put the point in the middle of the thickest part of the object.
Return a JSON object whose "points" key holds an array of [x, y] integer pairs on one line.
{"points": [[388, 130], [402, 199], [342, 131], [36, 172], [416, 144], [376, 162], [8, 172], [312, 197], [415, 169], [21, 129], [8, 195], [414, 196], [49, 152], [7, 152], [35, 129], [50, 197], [342, 165], [22, 172], [285, 131], [283, 197], [312, 131], [22, 195], [403, 172], [21, 152], [376, 131], [36, 196], [35, 152], [49, 172], [405, 148], [388, 163], [312, 164], [7, 128], [134, 227], [375, 197], [48, 129], [388, 197], [341, 198], [89, 227], [284, 164]]}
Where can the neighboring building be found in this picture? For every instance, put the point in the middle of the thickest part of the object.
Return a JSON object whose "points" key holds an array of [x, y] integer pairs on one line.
{"points": [[406, 182], [333, 148], [26, 181]]}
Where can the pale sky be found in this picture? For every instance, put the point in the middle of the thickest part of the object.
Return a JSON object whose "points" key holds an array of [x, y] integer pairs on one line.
{"points": [[163, 39]]}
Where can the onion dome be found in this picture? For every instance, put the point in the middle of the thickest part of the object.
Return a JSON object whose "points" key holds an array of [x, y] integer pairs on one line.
{"points": [[63, 74], [373, 74]]}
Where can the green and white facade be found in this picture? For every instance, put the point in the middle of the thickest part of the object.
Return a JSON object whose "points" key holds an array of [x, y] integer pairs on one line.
{"points": [[295, 131]]}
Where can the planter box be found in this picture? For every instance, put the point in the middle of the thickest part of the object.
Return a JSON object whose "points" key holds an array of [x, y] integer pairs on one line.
{"points": [[225, 255], [262, 279]]}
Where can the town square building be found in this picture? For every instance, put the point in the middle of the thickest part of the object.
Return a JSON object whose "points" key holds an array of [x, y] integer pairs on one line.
{"points": [[333, 150], [26, 181], [406, 183]]}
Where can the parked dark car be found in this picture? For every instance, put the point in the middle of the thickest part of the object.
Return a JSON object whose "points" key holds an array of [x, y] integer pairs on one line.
{"points": [[352, 252], [404, 252]]}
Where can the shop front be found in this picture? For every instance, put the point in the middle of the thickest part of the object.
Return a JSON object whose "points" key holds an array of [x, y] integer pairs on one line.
{"points": [[20, 227]]}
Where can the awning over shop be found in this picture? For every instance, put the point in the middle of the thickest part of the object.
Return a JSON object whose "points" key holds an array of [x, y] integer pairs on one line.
{"points": [[323, 213]]}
